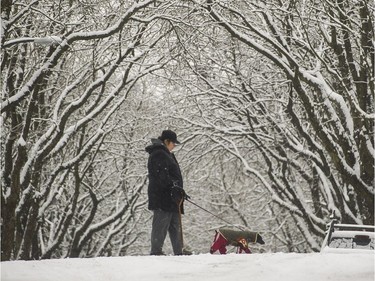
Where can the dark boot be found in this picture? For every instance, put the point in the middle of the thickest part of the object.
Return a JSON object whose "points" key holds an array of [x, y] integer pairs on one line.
{"points": [[158, 254]]}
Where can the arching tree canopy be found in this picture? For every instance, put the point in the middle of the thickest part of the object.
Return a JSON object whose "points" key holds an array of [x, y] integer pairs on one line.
{"points": [[274, 101]]}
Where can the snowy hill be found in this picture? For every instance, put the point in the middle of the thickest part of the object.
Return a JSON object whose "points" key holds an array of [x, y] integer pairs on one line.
{"points": [[265, 267]]}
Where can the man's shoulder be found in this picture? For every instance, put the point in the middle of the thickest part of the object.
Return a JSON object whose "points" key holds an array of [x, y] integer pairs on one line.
{"points": [[159, 152]]}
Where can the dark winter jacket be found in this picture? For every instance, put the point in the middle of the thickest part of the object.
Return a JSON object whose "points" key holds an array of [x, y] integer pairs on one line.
{"points": [[164, 174], [233, 236]]}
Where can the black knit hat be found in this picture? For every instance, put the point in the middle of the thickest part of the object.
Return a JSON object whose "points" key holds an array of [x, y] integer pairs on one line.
{"points": [[169, 135]]}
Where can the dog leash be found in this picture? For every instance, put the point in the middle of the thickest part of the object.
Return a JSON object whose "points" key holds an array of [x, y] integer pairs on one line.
{"points": [[216, 216], [180, 218]]}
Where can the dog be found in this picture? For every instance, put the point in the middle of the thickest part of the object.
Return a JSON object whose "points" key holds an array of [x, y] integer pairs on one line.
{"points": [[238, 238]]}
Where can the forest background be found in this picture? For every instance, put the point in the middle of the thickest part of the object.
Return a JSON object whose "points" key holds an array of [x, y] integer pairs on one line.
{"points": [[273, 102]]}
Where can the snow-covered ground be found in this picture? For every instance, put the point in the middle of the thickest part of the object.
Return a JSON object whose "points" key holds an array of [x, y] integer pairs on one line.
{"points": [[203, 267]]}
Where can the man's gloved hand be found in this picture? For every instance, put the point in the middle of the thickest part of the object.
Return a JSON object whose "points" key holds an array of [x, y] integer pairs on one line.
{"points": [[186, 197], [179, 193]]}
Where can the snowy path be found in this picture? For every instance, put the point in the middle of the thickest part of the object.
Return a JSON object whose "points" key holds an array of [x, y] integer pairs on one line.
{"points": [[272, 267]]}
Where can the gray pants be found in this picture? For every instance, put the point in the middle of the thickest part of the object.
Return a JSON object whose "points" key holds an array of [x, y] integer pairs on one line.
{"points": [[162, 223]]}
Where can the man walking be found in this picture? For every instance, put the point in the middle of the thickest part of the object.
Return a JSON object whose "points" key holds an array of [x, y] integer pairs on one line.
{"points": [[165, 193]]}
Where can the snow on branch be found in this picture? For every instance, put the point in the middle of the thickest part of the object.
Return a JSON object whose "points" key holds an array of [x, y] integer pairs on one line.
{"points": [[252, 43], [64, 45], [6, 24], [48, 41]]}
